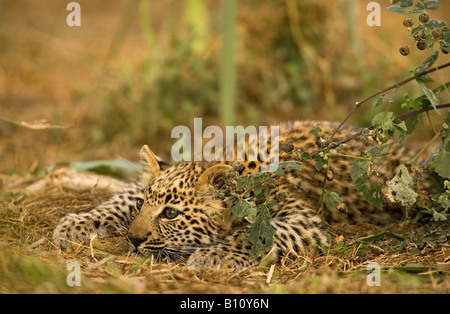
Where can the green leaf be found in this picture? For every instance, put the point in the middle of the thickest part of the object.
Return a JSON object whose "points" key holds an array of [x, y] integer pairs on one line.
{"points": [[332, 199], [261, 234], [447, 119], [432, 5], [279, 172], [442, 164], [245, 209], [305, 156], [397, 9], [417, 29], [446, 145], [406, 3], [378, 101], [359, 170], [258, 177], [292, 164], [431, 59], [411, 124], [430, 95], [383, 120], [378, 151], [422, 101], [319, 162], [401, 125], [402, 187], [244, 182], [316, 131], [425, 78], [261, 192], [341, 147], [372, 193], [380, 236], [117, 168], [446, 36]]}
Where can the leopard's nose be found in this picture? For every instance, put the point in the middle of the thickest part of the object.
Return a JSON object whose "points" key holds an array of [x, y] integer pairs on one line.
{"points": [[135, 240]]}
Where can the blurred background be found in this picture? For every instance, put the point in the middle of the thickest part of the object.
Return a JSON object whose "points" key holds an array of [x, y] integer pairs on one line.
{"points": [[134, 69]]}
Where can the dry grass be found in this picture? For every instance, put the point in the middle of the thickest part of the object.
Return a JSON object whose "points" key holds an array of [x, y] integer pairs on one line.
{"points": [[30, 263], [55, 72]]}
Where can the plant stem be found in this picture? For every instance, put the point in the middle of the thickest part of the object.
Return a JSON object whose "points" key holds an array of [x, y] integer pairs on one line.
{"points": [[324, 185], [358, 134], [351, 156], [383, 91], [431, 122], [426, 146]]}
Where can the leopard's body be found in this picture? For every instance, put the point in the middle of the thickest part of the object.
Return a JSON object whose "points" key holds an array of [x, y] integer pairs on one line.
{"points": [[171, 209]]}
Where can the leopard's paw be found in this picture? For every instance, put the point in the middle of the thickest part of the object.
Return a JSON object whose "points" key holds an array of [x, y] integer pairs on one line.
{"points": [[73, 228]]}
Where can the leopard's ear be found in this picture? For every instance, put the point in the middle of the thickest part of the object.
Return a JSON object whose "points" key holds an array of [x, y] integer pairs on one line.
{"points": [[150, 164], [212, 174]]}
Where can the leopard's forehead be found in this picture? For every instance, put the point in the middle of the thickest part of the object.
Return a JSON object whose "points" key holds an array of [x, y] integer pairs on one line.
{"points": [[175, 179]]}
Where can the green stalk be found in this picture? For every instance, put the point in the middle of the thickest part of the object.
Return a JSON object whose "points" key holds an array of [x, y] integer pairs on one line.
{"points": [[119, 37], [227, 61], [146, 26], [436, 136]]}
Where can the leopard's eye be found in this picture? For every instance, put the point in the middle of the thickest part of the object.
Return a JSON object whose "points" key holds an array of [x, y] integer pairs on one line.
{"points": [[139, 203], [169, 212]]}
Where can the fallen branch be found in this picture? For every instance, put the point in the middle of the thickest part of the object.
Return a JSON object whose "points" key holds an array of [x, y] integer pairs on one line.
{"points": [[36, 125], [72, 180]]}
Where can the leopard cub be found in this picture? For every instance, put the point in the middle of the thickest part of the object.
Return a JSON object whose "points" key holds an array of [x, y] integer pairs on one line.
{"points": [[170, 211]]}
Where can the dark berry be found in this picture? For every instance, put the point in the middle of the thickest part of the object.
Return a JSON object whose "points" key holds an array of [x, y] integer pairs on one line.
{"points": [[408, 22], [281, 197], [437, 33], [272, 183], [421, 45], [287, 147], [422, 34], [424, 17], [404, 50]]}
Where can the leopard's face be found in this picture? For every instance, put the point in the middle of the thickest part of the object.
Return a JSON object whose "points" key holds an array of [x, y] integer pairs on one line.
{"points": [[177, 216]]}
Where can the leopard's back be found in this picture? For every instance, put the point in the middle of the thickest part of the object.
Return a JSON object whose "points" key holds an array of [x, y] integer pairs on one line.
{"points": [[306, 186]]}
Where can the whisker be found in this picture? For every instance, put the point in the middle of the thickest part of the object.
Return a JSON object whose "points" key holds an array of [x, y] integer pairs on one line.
{"points": [[181, 249]]}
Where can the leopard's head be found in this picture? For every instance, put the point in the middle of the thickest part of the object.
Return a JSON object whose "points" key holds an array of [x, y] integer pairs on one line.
{"points": [[179, 212]]}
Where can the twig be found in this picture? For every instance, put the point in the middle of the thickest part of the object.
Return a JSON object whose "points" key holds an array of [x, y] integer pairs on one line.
{"points": [[402, 117], [397, 85], [270, 274], [408, 115], [93, 237], [98, 264]]}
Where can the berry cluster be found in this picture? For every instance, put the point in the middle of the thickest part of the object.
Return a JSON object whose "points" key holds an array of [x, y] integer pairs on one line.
{"points": [[426, 34]]}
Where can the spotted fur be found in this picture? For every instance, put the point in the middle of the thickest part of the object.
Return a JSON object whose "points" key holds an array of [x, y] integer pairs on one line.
{"points": [[173, 211]]}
